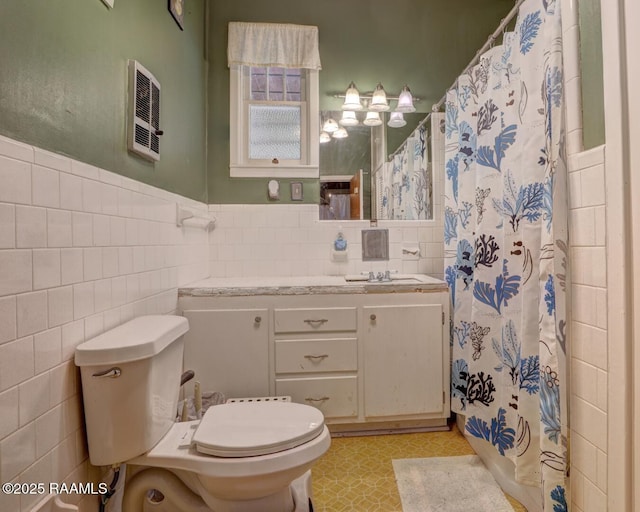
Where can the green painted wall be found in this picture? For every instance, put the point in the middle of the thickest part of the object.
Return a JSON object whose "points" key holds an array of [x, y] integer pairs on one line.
{"points": [[425, 44], [591, 71], [63, 83]]}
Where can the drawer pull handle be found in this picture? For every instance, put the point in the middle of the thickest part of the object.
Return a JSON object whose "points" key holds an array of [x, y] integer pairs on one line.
{"points": [[323, 399], [258, 319], [316, 323], [373, 318], [313, 357]]}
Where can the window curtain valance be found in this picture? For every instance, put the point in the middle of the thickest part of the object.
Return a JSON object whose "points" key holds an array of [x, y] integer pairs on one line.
{"points": [[273, 44]]}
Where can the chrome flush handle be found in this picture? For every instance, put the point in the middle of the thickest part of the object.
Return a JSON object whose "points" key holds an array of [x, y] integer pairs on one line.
{"points": [[112, 373]]}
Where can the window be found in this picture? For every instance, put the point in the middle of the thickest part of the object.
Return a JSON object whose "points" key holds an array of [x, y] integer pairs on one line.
{"points": [[274, 107]]}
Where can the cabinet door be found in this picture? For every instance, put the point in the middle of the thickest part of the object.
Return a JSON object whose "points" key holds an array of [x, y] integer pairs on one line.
{"points": [[229, 351], [403, 370]]}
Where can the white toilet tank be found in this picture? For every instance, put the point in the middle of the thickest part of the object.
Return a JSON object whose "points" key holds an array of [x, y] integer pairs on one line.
{"points": [[130, 386]]}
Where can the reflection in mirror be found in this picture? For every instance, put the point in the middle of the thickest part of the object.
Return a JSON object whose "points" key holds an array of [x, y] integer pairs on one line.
{"points": [[359, 157]]}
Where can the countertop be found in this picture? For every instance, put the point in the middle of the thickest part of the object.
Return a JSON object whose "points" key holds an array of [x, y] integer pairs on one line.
{"points": [[309, 285]]}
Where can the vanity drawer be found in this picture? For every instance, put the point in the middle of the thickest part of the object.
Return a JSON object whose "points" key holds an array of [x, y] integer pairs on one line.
{"points": [[320, 355], [336, 397], [315, 320]]}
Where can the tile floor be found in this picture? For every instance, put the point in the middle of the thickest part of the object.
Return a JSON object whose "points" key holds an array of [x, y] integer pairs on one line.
{"points": [[356, 474]]}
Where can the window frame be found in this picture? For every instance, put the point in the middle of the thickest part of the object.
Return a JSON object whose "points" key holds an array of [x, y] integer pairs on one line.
{"points": [[240, 166]]}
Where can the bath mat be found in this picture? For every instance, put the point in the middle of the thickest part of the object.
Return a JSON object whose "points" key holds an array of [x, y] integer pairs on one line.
{"points": [[448, 484]]}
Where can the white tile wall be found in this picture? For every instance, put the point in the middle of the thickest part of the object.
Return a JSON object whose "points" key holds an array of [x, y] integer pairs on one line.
{"points": [[290, 240], [588, 348], [81, 251]]}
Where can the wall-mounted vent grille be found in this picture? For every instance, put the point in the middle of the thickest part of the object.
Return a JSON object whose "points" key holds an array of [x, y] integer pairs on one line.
{"points": [[144, 112]]}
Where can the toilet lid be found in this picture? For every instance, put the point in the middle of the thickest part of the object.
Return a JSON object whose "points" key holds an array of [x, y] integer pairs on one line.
{"points": [[246, 429]]}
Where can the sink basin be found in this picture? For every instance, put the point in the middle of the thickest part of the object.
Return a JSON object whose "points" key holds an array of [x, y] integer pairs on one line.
{"points": [[395, 279]]}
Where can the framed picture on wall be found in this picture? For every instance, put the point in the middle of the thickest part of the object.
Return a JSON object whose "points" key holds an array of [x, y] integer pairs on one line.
{"points": [[176, 8]]}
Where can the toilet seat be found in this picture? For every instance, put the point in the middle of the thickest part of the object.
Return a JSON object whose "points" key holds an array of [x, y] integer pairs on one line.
{"points": [[248, 429]]}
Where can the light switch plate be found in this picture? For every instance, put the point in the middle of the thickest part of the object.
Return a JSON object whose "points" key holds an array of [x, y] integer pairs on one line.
{"points": [[109, 3], [296, 191]]}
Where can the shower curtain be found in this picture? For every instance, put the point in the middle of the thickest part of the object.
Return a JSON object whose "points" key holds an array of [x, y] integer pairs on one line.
{"points": [[505, 249], [403, 185]]}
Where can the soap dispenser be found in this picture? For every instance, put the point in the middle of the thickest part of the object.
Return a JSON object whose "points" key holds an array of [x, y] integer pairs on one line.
{"points": [[339, 251]]}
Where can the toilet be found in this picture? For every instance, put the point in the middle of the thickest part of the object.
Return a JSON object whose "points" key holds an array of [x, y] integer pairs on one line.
{"points": [[241, 457]]}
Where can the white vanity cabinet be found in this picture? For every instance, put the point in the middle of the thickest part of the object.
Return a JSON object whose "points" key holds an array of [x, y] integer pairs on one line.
{"points": [[228, 349], [375, 358], [316, 358], [403, 364]]}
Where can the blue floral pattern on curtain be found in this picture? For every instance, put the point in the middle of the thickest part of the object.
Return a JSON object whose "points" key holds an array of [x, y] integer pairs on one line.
{"points": [[404, 183], [505, 233]]}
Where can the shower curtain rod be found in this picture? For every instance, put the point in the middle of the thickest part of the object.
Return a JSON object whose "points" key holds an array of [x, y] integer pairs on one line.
{"points": [[492, 39]]}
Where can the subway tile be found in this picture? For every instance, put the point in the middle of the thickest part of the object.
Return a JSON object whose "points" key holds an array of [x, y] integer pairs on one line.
{"points": [[581, 227], [31, 312], [45, 187], [124, 202], [584, 456], [70, 192], [52, 160], [594, 499], [91, 196], [16, 362], [17, 150], [592, 184], [48, 349], [94, 325], [34, 398], [72, 265], [602, 390], [110, 178], [63, 458], [584, 381], [7, 226], [85, 170], [118, 229], [82, 229], [92, 262], [125, 260], [15, 177], [63, 382], [601, 472], [112, 318], [59, 228], [46, 268], [110, 261], [31, 227], [83, 297], [72, 336], [40, 471], [17, 452], [102, 294], [9, 420], [101, 230], [60, 308], [589, 421], [109, 199], [600, 213], [8, 322]]}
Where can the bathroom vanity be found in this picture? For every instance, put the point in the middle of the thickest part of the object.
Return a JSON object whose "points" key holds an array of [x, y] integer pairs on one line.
{"points": [[368, 355]]}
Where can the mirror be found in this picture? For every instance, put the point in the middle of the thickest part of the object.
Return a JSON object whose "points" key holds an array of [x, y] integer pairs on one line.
{"points": [[347, 165]]}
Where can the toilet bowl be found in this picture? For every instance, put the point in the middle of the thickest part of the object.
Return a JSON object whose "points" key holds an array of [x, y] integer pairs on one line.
{"points": [[241, 457]]}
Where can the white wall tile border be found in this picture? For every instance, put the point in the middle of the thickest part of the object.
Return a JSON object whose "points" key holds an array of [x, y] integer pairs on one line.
{"points": [[81, 250]]}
